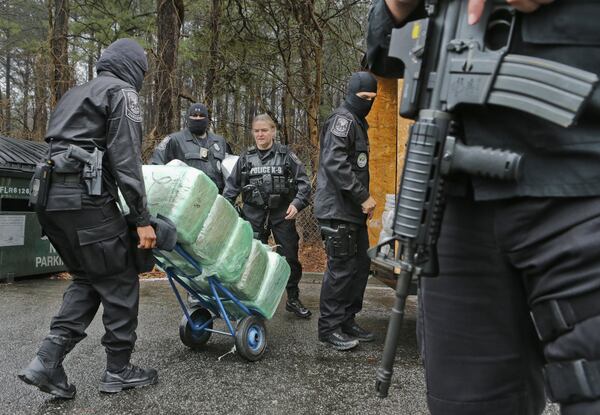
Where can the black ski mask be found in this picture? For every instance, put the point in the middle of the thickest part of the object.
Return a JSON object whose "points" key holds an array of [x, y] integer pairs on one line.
{"points": [[360, 82], [197, 127]]}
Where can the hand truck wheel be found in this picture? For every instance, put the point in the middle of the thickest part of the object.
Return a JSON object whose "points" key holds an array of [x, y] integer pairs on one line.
{"points": [[195, 339], [251, 338]]}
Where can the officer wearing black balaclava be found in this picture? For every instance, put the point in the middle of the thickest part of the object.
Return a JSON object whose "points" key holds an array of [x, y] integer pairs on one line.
{"points": [[342, 206], [195, 145], [99, 121]]}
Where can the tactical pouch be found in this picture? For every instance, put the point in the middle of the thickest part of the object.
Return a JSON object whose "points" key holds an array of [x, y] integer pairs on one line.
{"points": [[274, 201], [39, 187], [339, 242]]}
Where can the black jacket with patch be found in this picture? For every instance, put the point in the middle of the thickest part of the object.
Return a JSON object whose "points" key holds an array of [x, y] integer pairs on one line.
{"points": [[103, 113], [343, 175]]}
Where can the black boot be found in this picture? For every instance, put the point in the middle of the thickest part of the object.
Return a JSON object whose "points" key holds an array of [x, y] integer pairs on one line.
{"points": [[354, 330], [338, 340], [295, 306], [46, 371], [130, 376]]}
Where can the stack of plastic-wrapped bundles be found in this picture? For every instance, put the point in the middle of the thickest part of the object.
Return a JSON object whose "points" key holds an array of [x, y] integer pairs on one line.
{"points": [[211, 231]]}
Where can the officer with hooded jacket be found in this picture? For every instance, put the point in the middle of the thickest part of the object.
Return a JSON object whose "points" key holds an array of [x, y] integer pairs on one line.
{"points": [[196, 146], [274, 188], [103, 118], [342, 206], [516, 307]]}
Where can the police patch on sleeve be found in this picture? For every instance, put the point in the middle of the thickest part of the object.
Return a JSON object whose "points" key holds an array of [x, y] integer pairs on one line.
{"points": [[132, 105], [163, 144], [341, 126], [361, 160], [295, 158]]}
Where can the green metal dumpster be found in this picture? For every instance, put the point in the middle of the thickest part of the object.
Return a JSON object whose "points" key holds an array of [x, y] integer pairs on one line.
{"points": [[23, 250]]}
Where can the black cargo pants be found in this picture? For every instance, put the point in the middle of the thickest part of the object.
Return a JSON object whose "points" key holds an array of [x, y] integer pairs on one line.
{"points": [[498, 260], [287, 239], [344, 281], [94, 245]]}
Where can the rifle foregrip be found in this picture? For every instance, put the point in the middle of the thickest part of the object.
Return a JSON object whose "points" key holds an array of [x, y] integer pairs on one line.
{"points": [[481, 161]]}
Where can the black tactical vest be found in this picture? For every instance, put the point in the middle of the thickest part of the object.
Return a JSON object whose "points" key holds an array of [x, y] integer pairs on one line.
{"points": [[267, 182]]}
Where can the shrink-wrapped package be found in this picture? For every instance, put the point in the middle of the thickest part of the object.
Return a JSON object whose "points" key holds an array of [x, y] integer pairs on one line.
{"points": [[183, 194], [233, 257], [216, 230]]}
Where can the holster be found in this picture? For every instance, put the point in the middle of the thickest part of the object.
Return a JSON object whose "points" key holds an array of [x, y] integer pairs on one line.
{"points": [[252, 195], [339, 240]]}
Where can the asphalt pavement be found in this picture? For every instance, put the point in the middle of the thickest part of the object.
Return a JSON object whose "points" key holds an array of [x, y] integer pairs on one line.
{"points": [[297, 375]]}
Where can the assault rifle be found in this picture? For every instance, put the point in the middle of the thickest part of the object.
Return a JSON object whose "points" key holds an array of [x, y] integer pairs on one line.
{"points": [[448, 63]]}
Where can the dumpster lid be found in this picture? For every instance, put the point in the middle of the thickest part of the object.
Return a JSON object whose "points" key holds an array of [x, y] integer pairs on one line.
{"points": [[20, 155]]}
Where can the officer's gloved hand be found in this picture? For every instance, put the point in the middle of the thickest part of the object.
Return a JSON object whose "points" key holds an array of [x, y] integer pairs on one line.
{"points": [[525, 6]]}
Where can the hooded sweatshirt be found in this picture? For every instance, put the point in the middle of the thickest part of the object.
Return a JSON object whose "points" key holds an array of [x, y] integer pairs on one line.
{"points": [[104, 114]]}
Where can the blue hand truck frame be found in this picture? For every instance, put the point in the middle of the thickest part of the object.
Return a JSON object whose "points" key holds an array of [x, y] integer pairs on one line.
{"points": [[196, 325]]}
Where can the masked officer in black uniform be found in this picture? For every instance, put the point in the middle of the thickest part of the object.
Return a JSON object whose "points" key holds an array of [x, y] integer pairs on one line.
{"points": [[274, 188], [102, 120], [195, 145], [342, 205], [508, 249]]}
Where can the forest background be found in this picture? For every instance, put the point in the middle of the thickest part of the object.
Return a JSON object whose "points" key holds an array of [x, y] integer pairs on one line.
{"points": [[288, 58]]}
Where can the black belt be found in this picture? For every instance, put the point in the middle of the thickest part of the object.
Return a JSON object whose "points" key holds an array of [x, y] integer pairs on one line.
{"points": [[66, 178], [334, 223]]}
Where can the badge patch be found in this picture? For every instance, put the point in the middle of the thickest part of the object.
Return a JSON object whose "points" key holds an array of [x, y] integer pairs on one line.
{"points": [[163, 144], [361, 160], [132, 105], [295, 158], [217, 147], [341, 126]]}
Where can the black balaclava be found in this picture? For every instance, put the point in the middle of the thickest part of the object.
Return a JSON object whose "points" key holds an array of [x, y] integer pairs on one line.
{"points": [[360, 82], [197, 127], [125, 59]]}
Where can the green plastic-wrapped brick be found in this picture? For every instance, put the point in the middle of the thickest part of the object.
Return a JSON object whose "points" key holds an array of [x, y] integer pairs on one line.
{"points": [[216, 230], [183, 194], [273, 285], [248, 285], [231, 262]]}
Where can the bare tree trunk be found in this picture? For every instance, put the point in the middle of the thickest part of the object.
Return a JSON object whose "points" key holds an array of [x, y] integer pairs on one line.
{"points": [[212, 72], [40, 95], [91, 63], [170, 15], [1, 112], [311, 56], [25, 101], [7, 93], [61, 80]]}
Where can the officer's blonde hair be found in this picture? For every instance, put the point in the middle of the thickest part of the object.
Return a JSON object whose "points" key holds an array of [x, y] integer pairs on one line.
{"points": [[264, 118]]}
